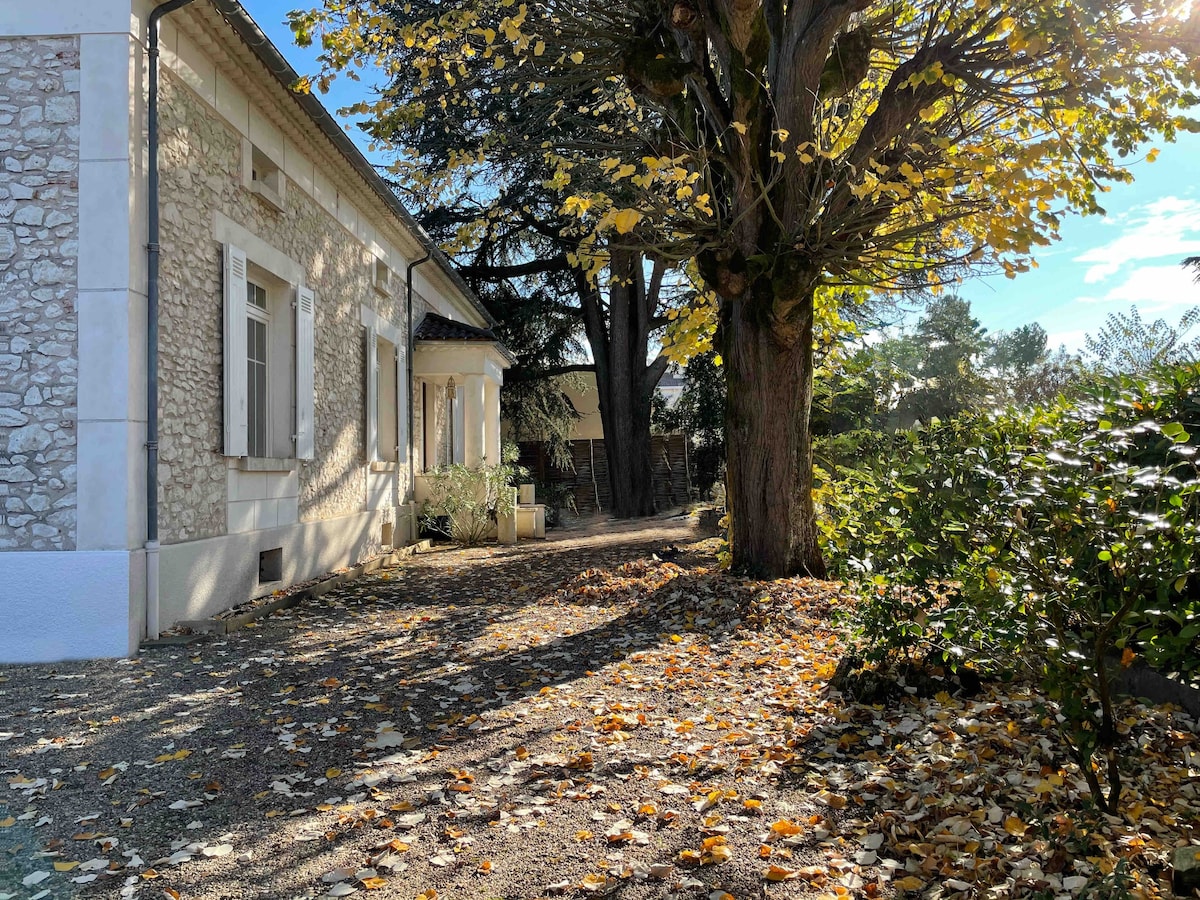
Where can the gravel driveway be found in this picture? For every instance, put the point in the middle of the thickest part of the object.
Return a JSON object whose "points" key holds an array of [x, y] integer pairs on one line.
{"points": [[430, 727]]}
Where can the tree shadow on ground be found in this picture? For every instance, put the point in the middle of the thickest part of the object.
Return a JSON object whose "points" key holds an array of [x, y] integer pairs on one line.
{"points": [[231, 703]]}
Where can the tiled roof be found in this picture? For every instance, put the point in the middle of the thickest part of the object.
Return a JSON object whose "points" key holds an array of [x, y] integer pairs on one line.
{"points": [[438, 328]]}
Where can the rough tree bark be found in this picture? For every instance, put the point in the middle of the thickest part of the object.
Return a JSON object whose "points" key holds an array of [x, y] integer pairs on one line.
{"points": [[769, 481], [625, 379]]}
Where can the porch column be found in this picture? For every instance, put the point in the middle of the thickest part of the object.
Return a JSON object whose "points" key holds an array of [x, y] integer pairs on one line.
{"points": [[474, 419], [491, 431]]}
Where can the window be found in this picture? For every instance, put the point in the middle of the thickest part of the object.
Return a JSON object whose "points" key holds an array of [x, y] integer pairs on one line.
{"points": [[386, 409], [262, 176], [268, 362], [381, 276], [258, 404]]}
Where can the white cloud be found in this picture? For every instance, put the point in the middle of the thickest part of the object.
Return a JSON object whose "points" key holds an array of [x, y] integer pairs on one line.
{"points": [[1072, 340], [1153, 289], [1166, 228]]}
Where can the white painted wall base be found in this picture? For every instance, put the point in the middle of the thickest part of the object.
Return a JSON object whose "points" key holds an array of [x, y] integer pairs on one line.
{"points": [[70, 605], [199, 579]]}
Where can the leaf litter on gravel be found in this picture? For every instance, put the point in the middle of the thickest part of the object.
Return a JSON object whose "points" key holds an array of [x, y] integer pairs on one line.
{"points": [[482, 723]]}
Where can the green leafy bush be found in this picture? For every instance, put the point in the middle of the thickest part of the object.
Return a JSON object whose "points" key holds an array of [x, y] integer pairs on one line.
{"points": [[465, 503], [1060, 540]]}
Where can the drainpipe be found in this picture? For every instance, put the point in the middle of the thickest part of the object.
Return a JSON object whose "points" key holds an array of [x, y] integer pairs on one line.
{"points": [[152, 254], [412, 462]]}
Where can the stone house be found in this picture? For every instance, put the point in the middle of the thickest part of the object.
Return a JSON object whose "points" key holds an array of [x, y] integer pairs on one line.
{"points": [[296, 407]]}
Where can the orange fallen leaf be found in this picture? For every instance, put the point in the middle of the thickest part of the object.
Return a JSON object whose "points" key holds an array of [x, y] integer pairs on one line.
{"points": [[784, 828], [779, 873], [373, 884], [486, 866]]}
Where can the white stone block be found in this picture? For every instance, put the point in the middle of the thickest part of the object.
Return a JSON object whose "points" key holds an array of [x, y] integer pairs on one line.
{"points": [[195, 68], [110, 363], [109, 455], [266, 514], [233, 104], [104, 97], [104, 206], [240, 516]]}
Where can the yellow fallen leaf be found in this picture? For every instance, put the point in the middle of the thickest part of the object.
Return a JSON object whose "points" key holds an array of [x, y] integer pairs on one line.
{"points": [[332, 773], [64, 866], [106, 773], [1015, 826], [779, 873], [373, 884], [909, 883], [8, 823], [169, 757]]}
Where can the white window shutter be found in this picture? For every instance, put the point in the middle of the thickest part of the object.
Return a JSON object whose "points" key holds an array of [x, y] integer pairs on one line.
{"points": [[306, 305], [236, 399], [402, 402], [372, 395]]}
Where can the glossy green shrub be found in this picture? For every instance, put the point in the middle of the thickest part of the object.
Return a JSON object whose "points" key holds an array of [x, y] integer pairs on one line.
{"points": [[1062, 541]]}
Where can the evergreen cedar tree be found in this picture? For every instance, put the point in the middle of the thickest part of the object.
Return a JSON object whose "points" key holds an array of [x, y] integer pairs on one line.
{"points": [[783, 148]]}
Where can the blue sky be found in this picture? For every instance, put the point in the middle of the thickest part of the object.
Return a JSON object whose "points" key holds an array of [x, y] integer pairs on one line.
{"points": [[1103, 264]]}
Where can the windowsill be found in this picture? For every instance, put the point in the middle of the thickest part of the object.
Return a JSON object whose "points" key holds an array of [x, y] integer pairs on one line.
{"points": [[267, 195], [382, 466], [383, 290], [266, 464]]}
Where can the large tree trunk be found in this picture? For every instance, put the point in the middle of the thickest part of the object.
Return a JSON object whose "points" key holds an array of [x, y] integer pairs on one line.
{"points": [[769, 481], [625, 382], [627, 448]]}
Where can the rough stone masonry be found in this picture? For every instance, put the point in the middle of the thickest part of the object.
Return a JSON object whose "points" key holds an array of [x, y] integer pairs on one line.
{"points": [[39, 200]]}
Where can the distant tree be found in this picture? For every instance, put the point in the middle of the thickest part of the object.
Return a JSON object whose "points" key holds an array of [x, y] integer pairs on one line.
{"points": [[700, 414], [544, 337], [1024, 371], [1128, 345], [949, 376], [1193, 262]]}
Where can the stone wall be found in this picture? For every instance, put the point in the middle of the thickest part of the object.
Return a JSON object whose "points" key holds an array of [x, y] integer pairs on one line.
{"points": [[201, 175], [39, 202]]}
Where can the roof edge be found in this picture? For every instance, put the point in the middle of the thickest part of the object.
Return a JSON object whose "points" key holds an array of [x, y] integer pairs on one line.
{"points": [[254, 37]]}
